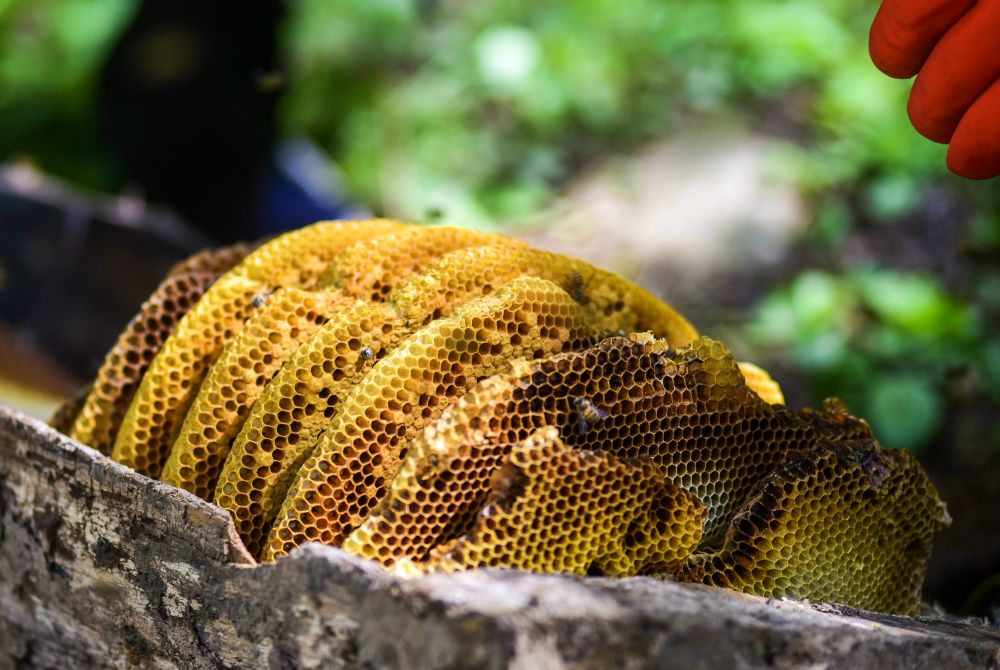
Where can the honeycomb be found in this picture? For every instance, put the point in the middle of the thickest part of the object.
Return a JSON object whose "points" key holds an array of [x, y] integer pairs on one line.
{"points": [[689, 411], [97, 421], [438, 399], [848, 522], [552, 508], [65, 415], [235, 381], [356, 458], [277, 327], [285, 423], [371, 269], [620, 305], [761, 383], [278, 443], [294, 260]]}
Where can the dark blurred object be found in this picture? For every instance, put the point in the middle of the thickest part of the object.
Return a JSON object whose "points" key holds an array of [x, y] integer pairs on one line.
{"points": [[188, 98], [185, 109], [73, 270], [26, 367]]}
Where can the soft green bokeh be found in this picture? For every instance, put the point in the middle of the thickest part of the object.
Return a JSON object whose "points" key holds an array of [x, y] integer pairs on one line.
{"points": [[886, 341]]}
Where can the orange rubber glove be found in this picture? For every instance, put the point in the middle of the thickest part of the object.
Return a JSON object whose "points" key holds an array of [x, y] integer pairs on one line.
{"points": [[953, 46]]}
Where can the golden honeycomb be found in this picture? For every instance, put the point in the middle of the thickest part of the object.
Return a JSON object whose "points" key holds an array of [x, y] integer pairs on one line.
{"points": [[761, 383], [552, 508], [97, 421], [285, 423], [847, 522], [620, 305], [455, 278], [277, 327], [294, 260], [356, 458], [438, 399], [63, 418], [234, 382], [371, 269], [277, 444], [688, 410]]}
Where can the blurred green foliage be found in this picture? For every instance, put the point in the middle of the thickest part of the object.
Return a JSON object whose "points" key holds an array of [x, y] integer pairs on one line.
{"points": [[885, 341], [51, 52], [483, 111]]}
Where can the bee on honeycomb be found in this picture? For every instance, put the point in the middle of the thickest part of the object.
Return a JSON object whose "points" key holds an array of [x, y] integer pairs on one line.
{"points": [[587, 414], [578, 286]]}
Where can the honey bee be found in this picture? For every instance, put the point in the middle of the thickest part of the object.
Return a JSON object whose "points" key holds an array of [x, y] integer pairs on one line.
{"points": [[260, 299], [587, 414], [577, 288], [366, 353]]}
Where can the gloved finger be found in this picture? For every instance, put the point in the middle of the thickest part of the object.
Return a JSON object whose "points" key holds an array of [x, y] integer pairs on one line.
{"points": [[905, 31], [960, 68], [975, 148]]}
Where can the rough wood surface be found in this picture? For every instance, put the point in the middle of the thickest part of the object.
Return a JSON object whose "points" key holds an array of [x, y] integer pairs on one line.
{"points": [[100, 567]]}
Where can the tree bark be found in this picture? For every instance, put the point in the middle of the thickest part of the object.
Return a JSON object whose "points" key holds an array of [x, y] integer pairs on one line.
{"points": [[103, 568]]}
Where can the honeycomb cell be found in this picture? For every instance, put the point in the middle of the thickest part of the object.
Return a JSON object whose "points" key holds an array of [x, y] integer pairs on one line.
{"points": [[552, 508], [294, 260], [689, 411], [357, 456], [761, 383], [846, 522], [618, 305], [234, 382], [101, 413], [371, 269], [285, 423]]}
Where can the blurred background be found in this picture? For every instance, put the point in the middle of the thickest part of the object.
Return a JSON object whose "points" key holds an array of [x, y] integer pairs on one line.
{"points": [[740, 158]]}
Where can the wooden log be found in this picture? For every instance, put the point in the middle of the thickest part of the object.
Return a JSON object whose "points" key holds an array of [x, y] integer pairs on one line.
{"points": [[103, 568]]}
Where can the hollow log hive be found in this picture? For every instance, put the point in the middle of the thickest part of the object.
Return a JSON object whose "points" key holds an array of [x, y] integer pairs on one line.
{"points": [[437, 399]]}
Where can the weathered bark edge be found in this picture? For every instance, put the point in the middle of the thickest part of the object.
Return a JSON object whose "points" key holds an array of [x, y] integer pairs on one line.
{"points": [[101, 567]]}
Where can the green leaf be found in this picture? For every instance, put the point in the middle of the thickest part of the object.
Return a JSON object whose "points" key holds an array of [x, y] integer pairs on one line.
{"points": [[904, 411], [818, 301], [915, 303]]}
